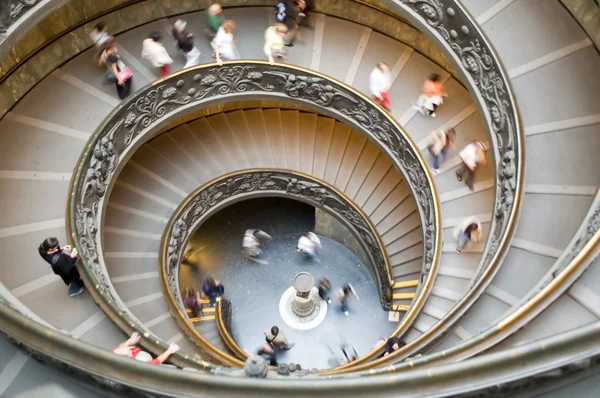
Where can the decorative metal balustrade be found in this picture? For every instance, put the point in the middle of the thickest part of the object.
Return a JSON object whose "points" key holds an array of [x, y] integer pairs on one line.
{"points": [[456, 31], [447, 23], [213, 196], [10, 11], [141, 116]]}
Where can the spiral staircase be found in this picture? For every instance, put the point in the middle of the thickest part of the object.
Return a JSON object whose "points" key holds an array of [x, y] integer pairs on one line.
{"points": [[527, 290]]}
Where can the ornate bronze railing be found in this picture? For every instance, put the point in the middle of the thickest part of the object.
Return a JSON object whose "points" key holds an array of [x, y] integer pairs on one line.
{"points": [[225, 190], [142, 115], [127, 377], [223, 318], [458, 34]]}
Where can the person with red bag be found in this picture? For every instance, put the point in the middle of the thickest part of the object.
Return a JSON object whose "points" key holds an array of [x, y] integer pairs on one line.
{"points": [[380, 82]]}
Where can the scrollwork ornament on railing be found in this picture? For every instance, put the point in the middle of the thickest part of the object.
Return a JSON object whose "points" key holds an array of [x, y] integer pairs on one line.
{"points": [[10, 11], [142, 114], [212, 197], [477, 61]]}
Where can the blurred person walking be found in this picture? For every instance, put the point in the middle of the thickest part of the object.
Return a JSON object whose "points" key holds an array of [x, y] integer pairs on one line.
{"points": [[472, 156], [324, 289], [380, 81], [185, 42], [467, 233], [62, 260], [224, 43], [214, 19], [268, 353], [211, 289], [191, 301], [440, 142], [274, 43], [117, 72], [99, 36], [432, 96], [277, 339], [251, 244], [154, 51], [308, 244], [343, 295]]}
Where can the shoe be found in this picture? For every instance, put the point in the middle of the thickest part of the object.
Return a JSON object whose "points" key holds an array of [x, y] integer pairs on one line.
{"points": [[437, 171], [459, 178], [432, 115], [329, 301], [458, 252], [290, 45], [75, 289], [346, 313], [471, 189]]}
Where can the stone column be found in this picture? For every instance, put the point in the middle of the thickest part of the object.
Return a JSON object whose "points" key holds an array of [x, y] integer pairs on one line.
{"points": [[304, 284]]}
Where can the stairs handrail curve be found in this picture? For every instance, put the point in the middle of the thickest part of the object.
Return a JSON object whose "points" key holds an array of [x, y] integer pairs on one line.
{"points": [[220, 192], [462, 40], [224, 311], [137, 118], [568, 268], [128, 376]]}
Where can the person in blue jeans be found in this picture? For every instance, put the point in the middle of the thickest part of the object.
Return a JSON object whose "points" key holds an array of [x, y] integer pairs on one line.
{"points": [[211, 289], [466, 233], [343, 295], [440, 142]]}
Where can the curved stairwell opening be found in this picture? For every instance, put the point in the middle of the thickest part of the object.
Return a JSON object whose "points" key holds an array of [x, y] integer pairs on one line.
{"points": [[539, 288]]}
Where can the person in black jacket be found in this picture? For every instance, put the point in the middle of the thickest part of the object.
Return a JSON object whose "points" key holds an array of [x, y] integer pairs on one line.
{"points": [[62, 260], [185, 42], [392, 344]]}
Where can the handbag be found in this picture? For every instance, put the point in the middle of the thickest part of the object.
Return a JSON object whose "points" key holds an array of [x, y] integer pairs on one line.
{"points": [[125, 74]]}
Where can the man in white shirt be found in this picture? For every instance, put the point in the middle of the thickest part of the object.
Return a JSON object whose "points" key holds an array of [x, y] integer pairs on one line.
{"points": [[380, 81], [307, 244], [251, 244], [472, 156]]}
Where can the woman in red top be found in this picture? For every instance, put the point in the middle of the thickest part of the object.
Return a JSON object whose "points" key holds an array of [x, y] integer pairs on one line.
{"points": [[128, 349]]}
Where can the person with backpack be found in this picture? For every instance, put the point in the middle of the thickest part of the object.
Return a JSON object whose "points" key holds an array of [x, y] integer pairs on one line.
{"points": [[277, 339], [62, 260], [211, 289], [185, 42]]}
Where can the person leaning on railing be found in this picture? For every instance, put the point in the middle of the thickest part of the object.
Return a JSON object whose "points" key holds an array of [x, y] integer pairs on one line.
{"points": [[129, 349], [62, 260]]}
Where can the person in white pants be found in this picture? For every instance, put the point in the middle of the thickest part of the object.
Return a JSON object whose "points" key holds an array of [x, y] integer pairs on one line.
{"points": [[224, 43], [185, 42]]}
